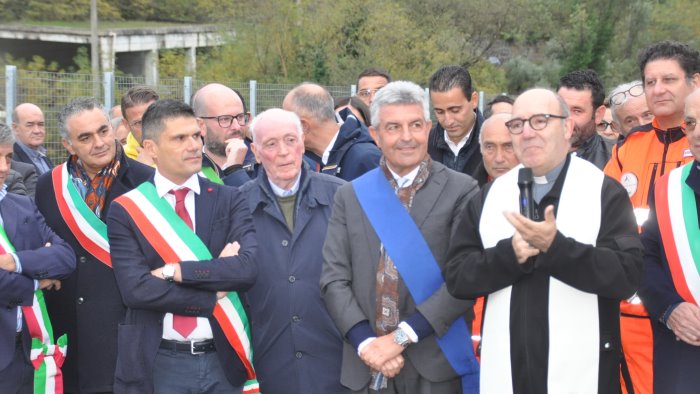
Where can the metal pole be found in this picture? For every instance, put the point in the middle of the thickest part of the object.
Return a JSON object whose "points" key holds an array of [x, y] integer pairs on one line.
{"points": [[108, 86], [10, 92], [253, 97], [353, 89], [187, 90], [94, 49], [481, 101]]}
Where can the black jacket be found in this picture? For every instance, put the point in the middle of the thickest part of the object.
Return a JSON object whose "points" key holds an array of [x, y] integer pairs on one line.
{"points": [[469, 156]]}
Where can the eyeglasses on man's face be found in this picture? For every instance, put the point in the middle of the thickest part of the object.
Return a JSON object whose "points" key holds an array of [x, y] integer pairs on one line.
{"points": [[603, 125], [367, 92], [536, 122], [634, 91], [227, 120]]}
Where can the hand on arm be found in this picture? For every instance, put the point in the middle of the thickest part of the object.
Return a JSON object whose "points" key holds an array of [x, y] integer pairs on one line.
{"points": [[685, 323], [7, 263], [382, 350]]}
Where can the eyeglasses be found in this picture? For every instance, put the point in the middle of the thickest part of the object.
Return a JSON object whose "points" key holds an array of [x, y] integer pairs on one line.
{"points": [[536, 122], [136, 124], [603, 125], [227, 120], [368, 92], [619, 97], [690, 124]]}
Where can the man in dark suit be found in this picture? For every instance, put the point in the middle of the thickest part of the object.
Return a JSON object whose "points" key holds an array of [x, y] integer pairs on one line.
{"points": [[29, 128], [368, 282], [27, 174], [75, 199], [180, 244], [31, 257]]}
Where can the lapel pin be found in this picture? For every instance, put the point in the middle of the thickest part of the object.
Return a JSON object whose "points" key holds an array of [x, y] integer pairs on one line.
{"points": [[210, 189]]}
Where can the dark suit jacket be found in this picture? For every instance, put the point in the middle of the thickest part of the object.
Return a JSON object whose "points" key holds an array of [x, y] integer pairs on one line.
{"points": [[29, 175], [26, 229], [221, 216], [89, 306], [18, 154], [351, 255]]}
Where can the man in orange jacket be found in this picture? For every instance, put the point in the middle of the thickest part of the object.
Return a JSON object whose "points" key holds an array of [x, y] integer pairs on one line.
{"points": [[670, 72]]}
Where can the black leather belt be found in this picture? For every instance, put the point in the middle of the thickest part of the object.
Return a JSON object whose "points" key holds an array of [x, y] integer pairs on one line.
{"points": [[189, 347]]}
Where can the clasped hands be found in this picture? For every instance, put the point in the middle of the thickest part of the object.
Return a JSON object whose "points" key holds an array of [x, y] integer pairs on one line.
{"points": [[231, 249], [532, 237], [383, 355]]}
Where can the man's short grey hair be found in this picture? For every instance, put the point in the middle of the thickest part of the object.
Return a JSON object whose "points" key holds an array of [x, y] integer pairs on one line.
{"points": [[621, 88], [275, 113], [399, 93], [6, 136], [75, 107], [318, 105]]}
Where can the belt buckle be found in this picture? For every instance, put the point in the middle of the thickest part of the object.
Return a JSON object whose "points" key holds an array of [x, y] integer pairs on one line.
{"points": [[192, 351]]}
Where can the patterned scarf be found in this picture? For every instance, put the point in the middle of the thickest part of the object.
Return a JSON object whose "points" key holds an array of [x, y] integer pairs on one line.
{"points": [[94, 190], [387, 312]]}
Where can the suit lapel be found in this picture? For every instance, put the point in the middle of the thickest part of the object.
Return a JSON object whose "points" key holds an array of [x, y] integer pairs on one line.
{"points": [[204, 207], [426, 197]]}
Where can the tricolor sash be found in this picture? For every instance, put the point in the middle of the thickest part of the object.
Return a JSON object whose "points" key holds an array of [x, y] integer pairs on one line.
{"points": [[210, 174], [574, 329], [88, 229], [678, 224], [415, 262], [174, 241], [46, 356]]}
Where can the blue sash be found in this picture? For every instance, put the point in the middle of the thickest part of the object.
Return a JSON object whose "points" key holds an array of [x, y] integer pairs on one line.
{"points": [[415, 262]]}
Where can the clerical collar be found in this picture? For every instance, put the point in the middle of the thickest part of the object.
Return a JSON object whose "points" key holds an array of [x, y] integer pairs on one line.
{"points": [[279, 192], [543, 184], [406, 180]]}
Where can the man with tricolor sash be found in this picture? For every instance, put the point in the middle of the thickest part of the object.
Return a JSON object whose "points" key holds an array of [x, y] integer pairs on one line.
{"points": [[385, 247], [671, 284], [183, 248], [554, 279], [75, 198], [32, 259]]}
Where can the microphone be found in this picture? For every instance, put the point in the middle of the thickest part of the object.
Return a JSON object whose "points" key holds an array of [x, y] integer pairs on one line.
{"points": [[527, 204]]}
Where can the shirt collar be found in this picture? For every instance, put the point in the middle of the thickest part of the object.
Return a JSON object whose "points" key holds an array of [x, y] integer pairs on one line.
{"points": [[279, 192], [455, 148], [406, 180], [164, 185], [3, 192], [329, 148]]}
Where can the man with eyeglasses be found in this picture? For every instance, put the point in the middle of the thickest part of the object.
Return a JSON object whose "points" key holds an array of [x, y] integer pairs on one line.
{"points": [[344, 150], [134, 103], [629, 107], [369, 82], [670, 285], [670, 72], [227, 158], [552, 310], [583, 92]]}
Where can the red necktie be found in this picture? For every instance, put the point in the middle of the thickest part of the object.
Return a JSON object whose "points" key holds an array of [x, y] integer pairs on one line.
{"points": [[184, 325]]}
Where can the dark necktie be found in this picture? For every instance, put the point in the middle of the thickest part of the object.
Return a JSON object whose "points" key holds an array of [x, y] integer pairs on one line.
{"points": [[184, 325]]}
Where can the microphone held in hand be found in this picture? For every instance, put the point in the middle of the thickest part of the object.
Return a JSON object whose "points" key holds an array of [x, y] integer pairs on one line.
{"points": [[527, 204]]}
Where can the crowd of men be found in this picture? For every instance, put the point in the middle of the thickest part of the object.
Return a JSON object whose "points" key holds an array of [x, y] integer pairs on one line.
{"points": [[353, 246]]}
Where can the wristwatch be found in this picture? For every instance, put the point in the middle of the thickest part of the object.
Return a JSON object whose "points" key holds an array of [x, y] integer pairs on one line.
{"points": [[169, 272], [401, 339]]}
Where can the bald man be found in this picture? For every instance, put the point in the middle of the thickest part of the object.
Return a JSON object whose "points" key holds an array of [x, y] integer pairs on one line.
{"points": [[343, 150], [227, 157], [552, 319], [496, 148], [29, 128]]}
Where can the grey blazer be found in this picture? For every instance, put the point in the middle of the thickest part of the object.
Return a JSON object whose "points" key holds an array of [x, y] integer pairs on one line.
{"points": [[350, 258], [28, 175]]}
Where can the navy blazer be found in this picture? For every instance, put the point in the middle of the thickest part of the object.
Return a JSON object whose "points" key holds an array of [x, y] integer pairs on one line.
{"points": [[18, 154], [28, 232], [88, 307], [222, 216]]}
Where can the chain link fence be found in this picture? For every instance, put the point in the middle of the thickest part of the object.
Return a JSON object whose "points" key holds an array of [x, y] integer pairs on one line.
{"points": [[51, 91]]}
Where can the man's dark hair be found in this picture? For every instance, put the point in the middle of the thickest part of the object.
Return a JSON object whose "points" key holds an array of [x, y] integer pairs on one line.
{"points": [[240, 96], [450, 77], [687, 57], [354, 102], [374, 72], [137, 95], [584, 80], [153, 121], [501, 98]]}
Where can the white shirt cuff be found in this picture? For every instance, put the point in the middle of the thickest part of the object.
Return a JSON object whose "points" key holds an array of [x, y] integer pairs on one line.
{"points": [[364, 343], [409, 332]]}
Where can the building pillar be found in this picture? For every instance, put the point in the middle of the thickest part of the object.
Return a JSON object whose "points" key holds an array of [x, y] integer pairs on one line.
{"points": [[106, 51], [191, 61], [150, 67]]}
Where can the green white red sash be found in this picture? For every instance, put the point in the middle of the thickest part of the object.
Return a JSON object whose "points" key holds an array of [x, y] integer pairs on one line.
{"points": [[88, 229], [210, 174], [678, 224], [47, 357], [174, 241]]}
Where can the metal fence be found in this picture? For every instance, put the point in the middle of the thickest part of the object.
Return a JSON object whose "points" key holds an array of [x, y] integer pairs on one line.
{"points": [[51, 91]]}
